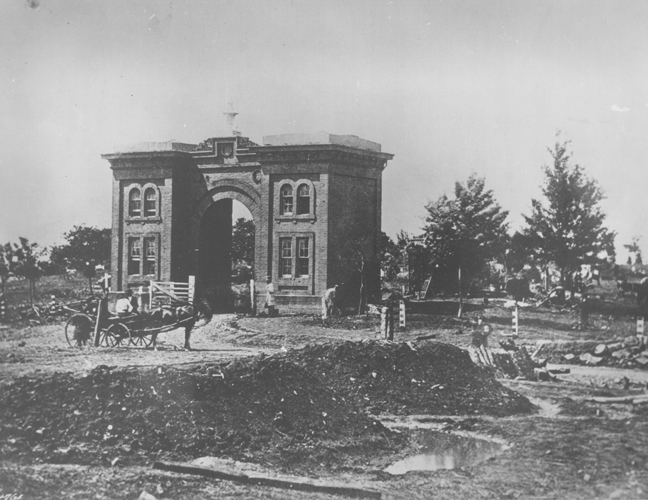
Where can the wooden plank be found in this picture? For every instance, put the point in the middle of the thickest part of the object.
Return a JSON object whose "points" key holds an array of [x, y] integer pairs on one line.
{"points": [[260, 479], [636, 399], [424, 288]]}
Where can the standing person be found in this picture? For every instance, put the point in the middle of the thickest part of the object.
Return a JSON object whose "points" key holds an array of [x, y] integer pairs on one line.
{"points": [[270, 298], [328, 302]]}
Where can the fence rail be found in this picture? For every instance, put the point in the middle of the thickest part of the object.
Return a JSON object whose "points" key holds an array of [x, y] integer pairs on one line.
{"points": [[165, 292]]}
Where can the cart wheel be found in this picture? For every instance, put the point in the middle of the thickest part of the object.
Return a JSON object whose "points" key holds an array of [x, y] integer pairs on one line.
{"points": [[142, 340], [78, 330], [116, 334]]}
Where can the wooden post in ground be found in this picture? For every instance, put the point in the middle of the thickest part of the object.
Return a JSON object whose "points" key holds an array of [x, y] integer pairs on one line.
{"points": [[641, 330], [192, 289], [386, 323], [401, 316], [515, 322], [101, 305], [253, 297]]}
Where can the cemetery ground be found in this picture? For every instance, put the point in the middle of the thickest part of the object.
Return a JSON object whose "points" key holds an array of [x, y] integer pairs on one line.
{"points": [[329, 401]]}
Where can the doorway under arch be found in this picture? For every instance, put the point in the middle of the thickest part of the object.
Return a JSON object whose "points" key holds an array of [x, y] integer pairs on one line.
{"points": [[226, 255]]}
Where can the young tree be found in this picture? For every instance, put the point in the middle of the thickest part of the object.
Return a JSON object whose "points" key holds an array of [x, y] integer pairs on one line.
{"points": [[25, 263], [86, 246], [566, 228], [465, 232], [243, 241]]}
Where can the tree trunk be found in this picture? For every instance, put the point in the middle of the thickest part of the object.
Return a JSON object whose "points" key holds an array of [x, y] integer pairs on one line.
{"points": [[546, 279], [32, 289], [459, 313], [90, 284]]}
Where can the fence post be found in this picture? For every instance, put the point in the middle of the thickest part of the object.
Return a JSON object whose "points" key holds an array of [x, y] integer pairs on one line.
{"points": [[3, 307], [253, 297], [383, 323], [192, 289], [401, 316], [516, 316], [641, 330]]}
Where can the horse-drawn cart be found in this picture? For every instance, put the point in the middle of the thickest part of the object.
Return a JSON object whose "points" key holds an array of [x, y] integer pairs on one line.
{"points": [[109, 329]]}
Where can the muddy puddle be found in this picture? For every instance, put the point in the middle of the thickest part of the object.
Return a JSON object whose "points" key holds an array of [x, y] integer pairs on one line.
{"points": [[441, 450]]}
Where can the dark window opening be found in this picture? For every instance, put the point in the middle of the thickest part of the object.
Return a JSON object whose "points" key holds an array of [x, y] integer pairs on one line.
{"points": [[150, 203], [285, 265], [134, 255], [303, 257], [135, 203], [303, 200], [150, 256]]}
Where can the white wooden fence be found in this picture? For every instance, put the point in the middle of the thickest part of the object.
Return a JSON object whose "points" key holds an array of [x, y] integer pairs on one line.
{"points": [[160, 293]]}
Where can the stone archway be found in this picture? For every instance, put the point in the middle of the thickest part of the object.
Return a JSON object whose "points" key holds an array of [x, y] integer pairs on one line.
{"points": [[213, 216]]}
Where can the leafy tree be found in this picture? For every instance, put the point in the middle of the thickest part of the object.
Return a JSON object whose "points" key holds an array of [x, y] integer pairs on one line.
{"points": [[25, 264], [465, 232], [243, 241], [566, 228], [517, 255], [6, 256], [86, 246], [417, 258], [634, 249]]}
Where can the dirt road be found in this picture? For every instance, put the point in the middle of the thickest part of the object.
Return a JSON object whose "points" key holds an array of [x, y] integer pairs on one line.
{"points": [[574, 449]]}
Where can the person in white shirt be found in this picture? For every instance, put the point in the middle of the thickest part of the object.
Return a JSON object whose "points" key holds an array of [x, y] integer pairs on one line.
{"points": [[124, 305], [328, 303], [270, 298]]}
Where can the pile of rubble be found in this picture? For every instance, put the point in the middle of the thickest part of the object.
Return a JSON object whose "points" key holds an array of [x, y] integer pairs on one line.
{"points": [[628, 352]]}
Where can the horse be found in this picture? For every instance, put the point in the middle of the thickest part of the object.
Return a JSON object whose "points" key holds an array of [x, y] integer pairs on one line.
{"points": [[185, 315]]}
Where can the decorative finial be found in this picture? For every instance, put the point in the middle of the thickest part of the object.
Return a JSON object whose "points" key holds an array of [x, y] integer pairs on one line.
{"points": [[230, 118]]}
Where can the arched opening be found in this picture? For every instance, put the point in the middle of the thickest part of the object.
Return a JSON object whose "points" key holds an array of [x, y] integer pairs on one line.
{"points": [[226, 256]]}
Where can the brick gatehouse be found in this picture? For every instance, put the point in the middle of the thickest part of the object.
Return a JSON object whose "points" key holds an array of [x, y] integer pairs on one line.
{"points": [[315, 200]]}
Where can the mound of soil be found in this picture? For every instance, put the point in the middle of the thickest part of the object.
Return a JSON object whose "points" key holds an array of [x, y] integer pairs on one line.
{"points": [[424, 378], [300, 410], [261, 409]]}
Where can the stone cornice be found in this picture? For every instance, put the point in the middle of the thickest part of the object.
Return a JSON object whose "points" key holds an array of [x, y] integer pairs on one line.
{"points": [[325, 153]]}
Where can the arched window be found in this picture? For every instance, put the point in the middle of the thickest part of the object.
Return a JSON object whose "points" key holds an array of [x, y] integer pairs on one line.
{"points": [[286, 203], [303, 200], [135, 203], [150, 202]]}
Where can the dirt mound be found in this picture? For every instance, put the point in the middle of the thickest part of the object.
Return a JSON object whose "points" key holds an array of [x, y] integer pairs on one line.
{"points": [[407, 378], [265, 409], [302, 409]]}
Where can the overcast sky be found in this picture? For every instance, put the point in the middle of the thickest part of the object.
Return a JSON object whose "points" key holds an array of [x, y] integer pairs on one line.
{"points": [[451, 88]]}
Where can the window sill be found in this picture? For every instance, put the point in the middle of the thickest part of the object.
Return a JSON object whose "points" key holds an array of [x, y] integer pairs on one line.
{"points": [[143, 220], [295, 218]]}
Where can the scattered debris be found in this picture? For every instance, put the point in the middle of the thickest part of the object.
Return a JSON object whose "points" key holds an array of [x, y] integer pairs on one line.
{"points": [[629, 352]]}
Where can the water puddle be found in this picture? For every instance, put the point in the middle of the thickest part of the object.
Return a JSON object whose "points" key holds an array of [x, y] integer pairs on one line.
{"points": [[441, 451]]}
